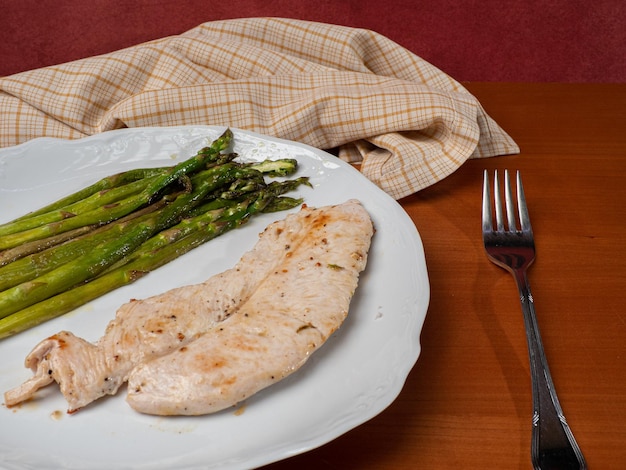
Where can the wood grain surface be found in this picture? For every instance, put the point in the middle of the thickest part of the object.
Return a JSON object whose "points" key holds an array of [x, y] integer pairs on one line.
{"points": [[467, 402]]}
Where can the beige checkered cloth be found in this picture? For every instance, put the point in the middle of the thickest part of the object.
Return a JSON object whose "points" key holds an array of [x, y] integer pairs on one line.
{"points": [[407, 123]]}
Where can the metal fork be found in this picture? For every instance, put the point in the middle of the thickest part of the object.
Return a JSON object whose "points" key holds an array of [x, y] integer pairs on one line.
{"points": [[553, 445]]}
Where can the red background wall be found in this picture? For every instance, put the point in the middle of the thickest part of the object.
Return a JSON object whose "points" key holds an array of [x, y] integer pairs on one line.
{"points": [[472, 40]]}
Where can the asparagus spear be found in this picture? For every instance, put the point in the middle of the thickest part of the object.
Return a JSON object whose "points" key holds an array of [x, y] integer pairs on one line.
{"points": [[71, 273], [189, 166], [152, 254], [104, 184], [98, 199], [37, 246], [282, 203], [274, 168], [105, 214], [17, 252], [36, 264], [100, 215], [119, 179]]}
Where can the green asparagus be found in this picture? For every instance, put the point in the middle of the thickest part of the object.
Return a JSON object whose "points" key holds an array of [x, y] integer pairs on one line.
{"points": [[103, 184], [108, 213], [37, 246], [13, 254], [36, 264], [274, 168], [99, 199], [103, 214], [189, 166]]}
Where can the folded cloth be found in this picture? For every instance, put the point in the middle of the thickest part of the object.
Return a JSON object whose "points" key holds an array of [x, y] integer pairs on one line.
{"points": [[406, 122]]}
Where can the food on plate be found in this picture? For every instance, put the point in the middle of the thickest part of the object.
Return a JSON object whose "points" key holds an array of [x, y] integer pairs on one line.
{"points": [[199, 349], [120, 228]]}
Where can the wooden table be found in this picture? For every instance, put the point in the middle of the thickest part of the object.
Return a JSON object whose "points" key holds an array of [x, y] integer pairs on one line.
{"points": [[467, 402]]}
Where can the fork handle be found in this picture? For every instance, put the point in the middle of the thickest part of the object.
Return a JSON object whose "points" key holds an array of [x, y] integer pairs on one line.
{"points": [[553, 446]]}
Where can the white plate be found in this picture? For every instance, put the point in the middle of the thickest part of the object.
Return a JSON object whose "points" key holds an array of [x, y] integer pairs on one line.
{"points": [[352, 378]]}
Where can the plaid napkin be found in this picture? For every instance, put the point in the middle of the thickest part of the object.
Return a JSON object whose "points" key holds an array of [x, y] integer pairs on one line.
{"points": [[407, 123]]}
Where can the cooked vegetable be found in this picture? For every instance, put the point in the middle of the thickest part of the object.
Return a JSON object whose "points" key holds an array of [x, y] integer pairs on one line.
{"points": [[109, 212], [104, 184]]}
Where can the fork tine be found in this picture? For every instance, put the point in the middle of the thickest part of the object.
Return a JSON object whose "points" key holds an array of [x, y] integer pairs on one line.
{"points": [[498, 202], [510, 205], [521, 205], [487, 221]]}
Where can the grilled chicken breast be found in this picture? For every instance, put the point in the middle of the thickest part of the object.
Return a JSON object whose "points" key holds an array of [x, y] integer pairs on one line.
{"points": [[198, 349]]}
